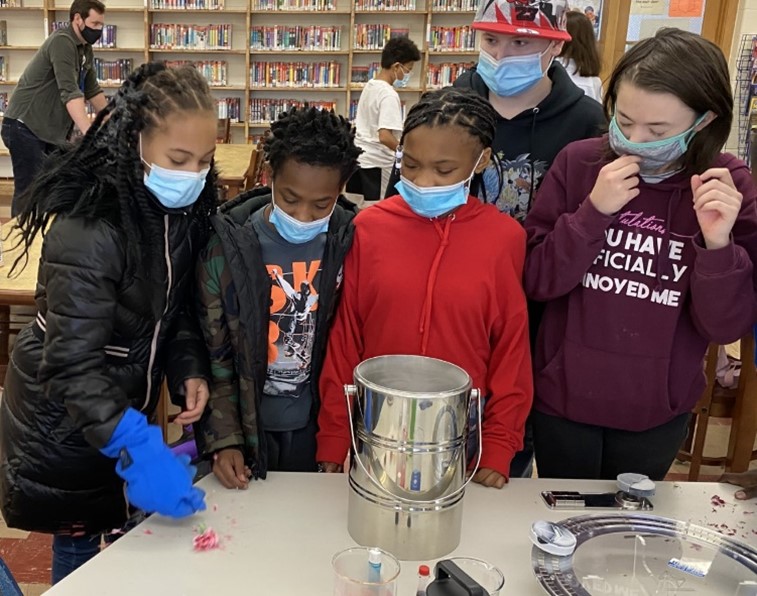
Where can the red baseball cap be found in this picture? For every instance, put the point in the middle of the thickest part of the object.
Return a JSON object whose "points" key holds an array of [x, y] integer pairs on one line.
{"points": [[524, 18]]}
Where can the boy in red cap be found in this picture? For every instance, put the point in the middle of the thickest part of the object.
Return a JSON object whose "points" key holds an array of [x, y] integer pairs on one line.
{"points": [[540, 111]]}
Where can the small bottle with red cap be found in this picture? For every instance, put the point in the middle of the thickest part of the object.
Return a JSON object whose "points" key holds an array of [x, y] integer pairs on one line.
{"points": [[424, 579]]}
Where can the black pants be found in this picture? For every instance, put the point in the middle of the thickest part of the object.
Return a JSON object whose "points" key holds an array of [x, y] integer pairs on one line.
{"points": [[27, 154], [566, 449], [366, 182], [292, 451]]}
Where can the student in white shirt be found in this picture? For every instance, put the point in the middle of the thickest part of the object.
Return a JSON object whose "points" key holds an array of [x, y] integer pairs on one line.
{"points": [[580, 56], [379, 119]]}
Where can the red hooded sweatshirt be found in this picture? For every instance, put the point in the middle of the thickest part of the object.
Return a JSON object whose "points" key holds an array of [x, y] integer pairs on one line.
{"points": [[633, 299], [448, 288]]}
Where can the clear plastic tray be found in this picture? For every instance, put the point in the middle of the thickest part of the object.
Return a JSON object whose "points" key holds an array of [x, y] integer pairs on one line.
{"points": [[640, 555]]}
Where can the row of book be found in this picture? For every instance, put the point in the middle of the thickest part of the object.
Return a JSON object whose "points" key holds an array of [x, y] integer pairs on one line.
{"points": [[107, 40], [362, 74], [3, 69], [353, 110], [187, 4], [455, 5], [373, 36], [216, 72], [229, 107], [297, 37], [113, 72], [284, 5], [10, 3], [451, 38], [172, 36], [443, 75], [3, 33], [295, 74], [267, 110], [3, 103], [393, 5]]}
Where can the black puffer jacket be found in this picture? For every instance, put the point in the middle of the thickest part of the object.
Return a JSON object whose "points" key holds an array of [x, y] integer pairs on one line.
{"points": [[102, 341]]}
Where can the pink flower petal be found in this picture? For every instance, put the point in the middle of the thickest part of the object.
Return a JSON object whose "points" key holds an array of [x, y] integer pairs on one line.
{"points": [[208, 540]]}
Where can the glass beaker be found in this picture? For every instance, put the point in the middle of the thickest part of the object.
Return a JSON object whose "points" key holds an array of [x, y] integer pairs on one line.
{"points": [[354, 575], [485, 574]]}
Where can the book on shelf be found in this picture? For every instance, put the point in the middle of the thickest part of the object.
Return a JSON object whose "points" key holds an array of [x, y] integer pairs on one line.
{"points": [[455, 5], [3, 33], [297, 37], [107, 40], [360, 75], [3, 69], [443, 75], [353, 110], [3, 103], [373, 36], [113, 72], [298, 5], [215, 71], [387, 5], [448, 39], [187, 4], [229, 107], [314, 75], [174, 36], [265, 111], [11, 4]]}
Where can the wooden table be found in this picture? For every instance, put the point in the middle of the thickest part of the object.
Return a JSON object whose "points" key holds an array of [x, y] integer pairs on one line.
{"points": [[233, 163], [278, 537], [17, 290]]}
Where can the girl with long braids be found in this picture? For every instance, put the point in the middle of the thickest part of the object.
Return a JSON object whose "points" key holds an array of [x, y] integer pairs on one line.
{"points": [[447, 283], [125, 212]]}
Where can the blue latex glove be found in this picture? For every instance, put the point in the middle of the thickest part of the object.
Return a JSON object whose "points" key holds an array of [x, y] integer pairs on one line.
{"points": [[156, 480]]}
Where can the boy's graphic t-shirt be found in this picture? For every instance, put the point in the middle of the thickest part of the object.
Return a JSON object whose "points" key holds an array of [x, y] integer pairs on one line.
{"points": [[294, 270]]}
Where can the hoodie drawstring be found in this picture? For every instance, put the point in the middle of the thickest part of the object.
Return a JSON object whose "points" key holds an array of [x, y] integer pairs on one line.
{"points": [[425, 323], [531, 161], [663, 254]]}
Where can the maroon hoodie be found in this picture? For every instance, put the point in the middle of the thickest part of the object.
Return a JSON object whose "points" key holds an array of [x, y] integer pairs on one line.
{"points": [[633, 299]]}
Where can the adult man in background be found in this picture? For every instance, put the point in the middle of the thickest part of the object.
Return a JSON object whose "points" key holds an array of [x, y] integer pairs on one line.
{"points": [[50, 96]]}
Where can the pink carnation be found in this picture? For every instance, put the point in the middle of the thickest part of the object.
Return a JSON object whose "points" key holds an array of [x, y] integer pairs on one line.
{"points": [[208, 540]]}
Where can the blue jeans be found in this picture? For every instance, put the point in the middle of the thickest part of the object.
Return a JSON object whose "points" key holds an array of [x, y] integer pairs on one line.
{"points": [[71, 552]]}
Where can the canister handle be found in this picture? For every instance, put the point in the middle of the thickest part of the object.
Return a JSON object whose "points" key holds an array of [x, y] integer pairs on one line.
{"points": [[350, 391]]}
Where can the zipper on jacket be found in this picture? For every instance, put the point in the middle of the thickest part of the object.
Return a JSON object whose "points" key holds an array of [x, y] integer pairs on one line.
{"points": [[156, 332]]}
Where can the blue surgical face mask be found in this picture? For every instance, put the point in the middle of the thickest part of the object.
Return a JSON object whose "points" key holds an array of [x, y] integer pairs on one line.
{"points": [[655, 155], [293, 230], [512, 75], [433, 201], [174, 189], [402, 83]]}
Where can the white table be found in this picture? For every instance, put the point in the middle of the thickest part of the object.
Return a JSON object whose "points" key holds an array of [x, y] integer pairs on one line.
{"points": [[279, 537]]}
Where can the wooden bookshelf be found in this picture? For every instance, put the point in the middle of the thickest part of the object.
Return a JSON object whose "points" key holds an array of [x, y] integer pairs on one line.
{"points": [[134, 18]]}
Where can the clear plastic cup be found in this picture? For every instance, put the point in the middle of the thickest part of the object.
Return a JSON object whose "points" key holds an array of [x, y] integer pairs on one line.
{"points": [[488, 576], [353, 576]]}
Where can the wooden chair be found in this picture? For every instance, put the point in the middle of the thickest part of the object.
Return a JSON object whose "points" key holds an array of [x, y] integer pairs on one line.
{"points": [[254, 172], [739, 404], [223, 135]]}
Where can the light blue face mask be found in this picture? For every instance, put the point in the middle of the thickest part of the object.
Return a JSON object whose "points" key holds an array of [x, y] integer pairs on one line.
{"points": [[512, 75], [655, 155], [402, 83], [433, 201], [293, 230], [174, 189]]}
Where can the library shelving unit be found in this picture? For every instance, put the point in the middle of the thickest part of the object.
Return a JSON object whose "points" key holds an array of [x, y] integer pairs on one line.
{"points": [[260, 56]]}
